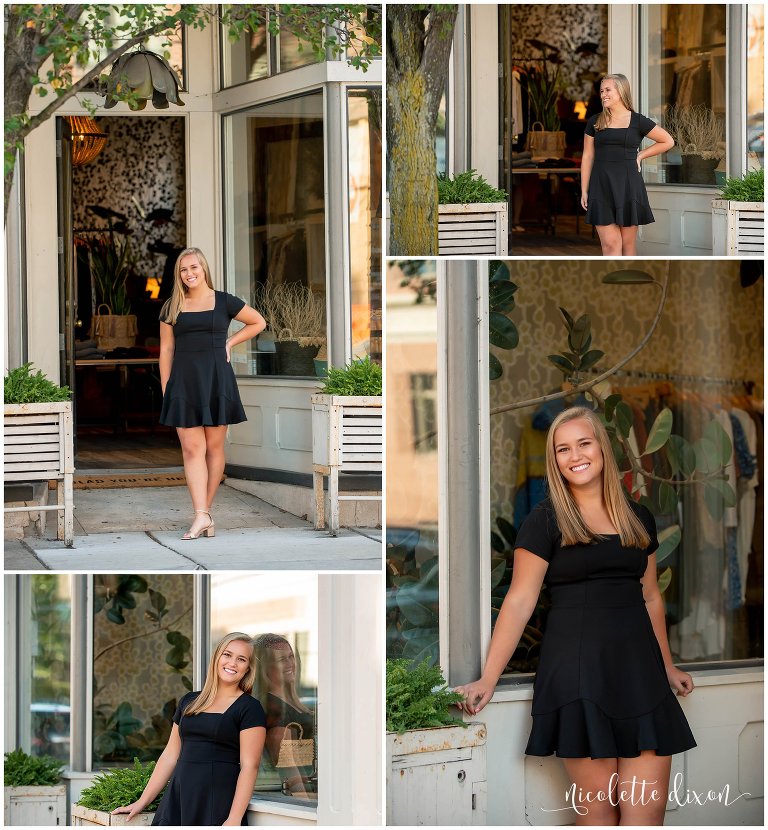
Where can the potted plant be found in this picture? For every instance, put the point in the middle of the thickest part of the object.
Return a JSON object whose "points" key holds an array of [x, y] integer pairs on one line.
{"points": [[429, 750], [112, 789], [544, 85], [112, 263], [738, 216], [38, 442], [700, 138], [472, 215], [33, 792], [347, 433], [295, 316]]}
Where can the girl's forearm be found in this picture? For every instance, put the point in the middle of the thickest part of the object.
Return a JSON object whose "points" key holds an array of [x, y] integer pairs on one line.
{"points": [[243, 792], [586, 172], [656, 149], [160, 776], [655, 607], [248, 332], [166, 362], [506, 635]]}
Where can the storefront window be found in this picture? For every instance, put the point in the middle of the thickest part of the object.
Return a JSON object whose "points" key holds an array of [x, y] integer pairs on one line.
{"points": [[364, 149], [706, 367], [684, 59], [755, 86], [248, 58], [412, 462], [441, 137], [281, 616], [142, 663], [49, 656], [275, 232]]}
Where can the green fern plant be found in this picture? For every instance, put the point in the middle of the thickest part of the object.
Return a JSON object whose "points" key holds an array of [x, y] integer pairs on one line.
{"points": [[119, 787], [22, 770], [418, 697], [749, 188], [360, 377], [467, 188], [21, 386]]}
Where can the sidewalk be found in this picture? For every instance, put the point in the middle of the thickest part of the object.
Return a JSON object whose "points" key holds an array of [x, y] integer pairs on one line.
{"points": [[138, 529]]}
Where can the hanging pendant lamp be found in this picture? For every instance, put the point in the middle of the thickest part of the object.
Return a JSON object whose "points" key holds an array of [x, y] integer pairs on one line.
{"points": [[87, 140], [147, 75]]}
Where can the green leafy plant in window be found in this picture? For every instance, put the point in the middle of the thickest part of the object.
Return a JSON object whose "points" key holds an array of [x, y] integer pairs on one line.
{"points": [[467, 188], [749, 188], [118, 787], [418, 697], [360, 377], [23, 770], [20, 385]]}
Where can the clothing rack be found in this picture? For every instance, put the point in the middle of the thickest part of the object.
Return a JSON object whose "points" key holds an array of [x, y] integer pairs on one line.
{"points": [[636, 373]]}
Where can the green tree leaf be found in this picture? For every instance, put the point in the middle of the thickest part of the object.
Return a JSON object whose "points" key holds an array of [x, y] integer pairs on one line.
{"points": [[502, 331], [681, 456], [664, 578], [610, 406], [495, 369], [562, 364], [590, 359], [667, 498], [725, 490], [713, 498], [669, 539], [624, 418], [707, 456], [660, 431], [719, 437]]}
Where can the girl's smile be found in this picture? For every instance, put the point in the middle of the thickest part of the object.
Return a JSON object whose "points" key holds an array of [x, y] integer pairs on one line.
{"points": [[234, 662], [578, 454]]}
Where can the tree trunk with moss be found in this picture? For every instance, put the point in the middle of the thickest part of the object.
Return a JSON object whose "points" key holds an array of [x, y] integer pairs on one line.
{"points": [[418, 49]]}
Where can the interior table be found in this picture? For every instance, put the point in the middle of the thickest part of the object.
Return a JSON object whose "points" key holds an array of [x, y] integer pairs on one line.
{"points": [[546, 174]]}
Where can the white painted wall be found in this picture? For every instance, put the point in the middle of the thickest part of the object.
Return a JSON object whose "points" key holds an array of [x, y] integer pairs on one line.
{"points": [[484, 90], [725, 713]]}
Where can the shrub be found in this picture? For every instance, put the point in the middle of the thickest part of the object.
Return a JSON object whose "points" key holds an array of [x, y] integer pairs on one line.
{"points": [[119, 787], [21, 386], [749, 188], [418, 697], [360, 377], [22, 770], [467, 188]]}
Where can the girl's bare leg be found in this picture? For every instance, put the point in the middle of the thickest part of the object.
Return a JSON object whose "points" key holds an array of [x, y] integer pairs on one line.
{"points": [[645, 802], [629, 241], [193, 451], [591, 776], [214, 459], [610, 239]]}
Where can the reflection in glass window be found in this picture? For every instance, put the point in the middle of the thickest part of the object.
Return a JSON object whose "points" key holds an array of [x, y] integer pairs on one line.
{"points": [[755, 86], [49, 655], [142, 662], [248, 58], [412, 463], [685, 57], [281, 615], [275, 231], [364, 149], [441, 135], [292, 52]]}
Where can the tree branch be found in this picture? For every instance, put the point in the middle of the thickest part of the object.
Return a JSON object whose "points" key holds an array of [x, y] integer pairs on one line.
{"points": [[166, 627], [583, 387]]}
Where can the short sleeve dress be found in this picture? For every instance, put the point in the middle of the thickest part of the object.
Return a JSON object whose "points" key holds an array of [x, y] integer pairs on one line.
{"points": [[617, 194], [202, 390], [601, 690], [203, 784]]}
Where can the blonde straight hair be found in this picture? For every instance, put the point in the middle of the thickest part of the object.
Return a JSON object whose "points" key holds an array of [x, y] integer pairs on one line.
{"points": [[625, 95], [211, 687], [174, 305], [265, 647], [570, 522]]}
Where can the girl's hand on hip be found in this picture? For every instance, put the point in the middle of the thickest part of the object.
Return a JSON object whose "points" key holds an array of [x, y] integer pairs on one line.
{"points": [[476, 696], [680, 681]]}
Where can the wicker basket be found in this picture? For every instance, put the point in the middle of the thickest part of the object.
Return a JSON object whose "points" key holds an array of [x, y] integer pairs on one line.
{"points": [[113, 330], [296, 752], [545, 144]]}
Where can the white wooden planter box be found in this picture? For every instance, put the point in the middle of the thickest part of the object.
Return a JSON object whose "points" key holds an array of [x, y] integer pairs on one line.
{"points": [[437, 776], [35, 806], [347, 437], [38, 446], [738, 228], [473, 230], [82, 816]]}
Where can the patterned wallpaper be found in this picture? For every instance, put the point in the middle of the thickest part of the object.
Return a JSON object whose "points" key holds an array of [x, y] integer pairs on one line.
{"points": [[129, 658], [143, 159], [565, 26], [710, 326]]}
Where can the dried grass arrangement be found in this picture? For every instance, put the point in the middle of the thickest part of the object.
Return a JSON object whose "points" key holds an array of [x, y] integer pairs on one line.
{"points": [[293, 312], [697, 131]]}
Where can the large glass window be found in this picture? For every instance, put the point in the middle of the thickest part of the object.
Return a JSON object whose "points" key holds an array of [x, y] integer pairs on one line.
{"points": [[281, 615], [248, 58], [706, 367], [412, 462], [49, 655], [275, 232], [684, 60], [364, 148], [142, 662], [755, 86]]}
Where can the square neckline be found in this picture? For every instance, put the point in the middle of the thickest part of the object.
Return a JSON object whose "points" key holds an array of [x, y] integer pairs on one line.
{"points": [[205, 310], [203, 712]]}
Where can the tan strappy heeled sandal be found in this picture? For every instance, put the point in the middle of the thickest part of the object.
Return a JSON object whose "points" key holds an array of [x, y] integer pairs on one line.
{"points": [[209, 530]]}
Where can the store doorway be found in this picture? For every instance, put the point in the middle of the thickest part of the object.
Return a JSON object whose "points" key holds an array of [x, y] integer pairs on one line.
{"points": [[123, 222], [552, 57]]}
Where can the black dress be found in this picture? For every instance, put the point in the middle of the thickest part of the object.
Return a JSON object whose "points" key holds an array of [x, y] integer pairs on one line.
{"points": [[617, 194], [601, 690], [203, 784], [202, 390]]}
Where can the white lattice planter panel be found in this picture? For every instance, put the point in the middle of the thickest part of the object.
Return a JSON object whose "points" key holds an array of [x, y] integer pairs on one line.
{"points": [[738, 228], [473, 230], [347, 437]]}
